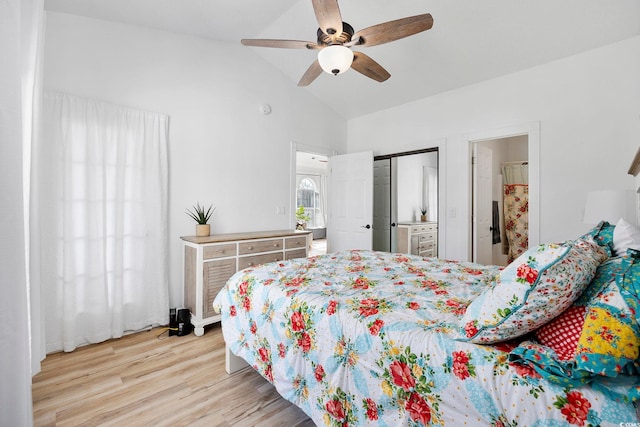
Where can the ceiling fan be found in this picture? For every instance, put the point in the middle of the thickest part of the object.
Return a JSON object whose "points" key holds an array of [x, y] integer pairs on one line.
{"points": [[335, 39]]}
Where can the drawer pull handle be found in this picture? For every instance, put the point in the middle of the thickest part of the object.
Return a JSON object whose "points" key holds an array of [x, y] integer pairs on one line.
{"points": [[275, 245], [249, 247]]}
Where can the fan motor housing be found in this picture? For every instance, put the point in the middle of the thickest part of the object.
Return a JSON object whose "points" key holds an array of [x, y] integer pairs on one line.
{"points": [[344, 37]]}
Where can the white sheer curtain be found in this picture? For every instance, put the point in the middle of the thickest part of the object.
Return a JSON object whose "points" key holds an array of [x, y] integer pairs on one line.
{"points": [[516, 173], [20, 37], [102, 194]]}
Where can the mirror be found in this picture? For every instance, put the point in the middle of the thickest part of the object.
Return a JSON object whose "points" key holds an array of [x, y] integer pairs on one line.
{"points": [[405, 184]]}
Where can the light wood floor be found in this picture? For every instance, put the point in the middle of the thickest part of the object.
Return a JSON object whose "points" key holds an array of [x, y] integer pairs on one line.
{"points": [[143, 380]]}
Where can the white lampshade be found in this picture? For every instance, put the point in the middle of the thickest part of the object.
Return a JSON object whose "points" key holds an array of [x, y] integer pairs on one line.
{"points": [[610, 206], [335, 59]]}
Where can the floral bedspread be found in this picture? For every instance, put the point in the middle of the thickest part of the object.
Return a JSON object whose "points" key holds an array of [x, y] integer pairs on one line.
{"points": [[368, 338]]}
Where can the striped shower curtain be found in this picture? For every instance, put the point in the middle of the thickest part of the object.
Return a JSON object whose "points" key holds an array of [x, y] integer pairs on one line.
{"points": [[516, 208]]}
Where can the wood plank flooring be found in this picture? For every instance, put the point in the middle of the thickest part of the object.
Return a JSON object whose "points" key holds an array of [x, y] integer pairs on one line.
{"points": [[146, 380]]}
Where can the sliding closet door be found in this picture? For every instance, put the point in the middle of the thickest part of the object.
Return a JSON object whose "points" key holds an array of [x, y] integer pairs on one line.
{"points": [[403, 184], [384, 205]]}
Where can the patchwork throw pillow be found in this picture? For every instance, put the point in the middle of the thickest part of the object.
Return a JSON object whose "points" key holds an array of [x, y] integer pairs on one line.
{"points": [[601, 331], [563, 333], [532, 290]]}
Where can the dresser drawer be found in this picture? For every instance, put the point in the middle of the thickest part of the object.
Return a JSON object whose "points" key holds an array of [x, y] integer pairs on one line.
{"points": [[430, 253], [295, 242], [418, 229], [428, 237], [423, 228], [260, 246], [426, 245], [252, 261], [298, 253], [219, 251]]}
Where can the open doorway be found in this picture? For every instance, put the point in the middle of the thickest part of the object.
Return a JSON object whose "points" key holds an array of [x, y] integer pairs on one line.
{"points": [[311, 198], [500, 199]]}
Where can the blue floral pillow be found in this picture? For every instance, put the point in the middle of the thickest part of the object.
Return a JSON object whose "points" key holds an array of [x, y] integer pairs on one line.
{"points": [[532, 290]]}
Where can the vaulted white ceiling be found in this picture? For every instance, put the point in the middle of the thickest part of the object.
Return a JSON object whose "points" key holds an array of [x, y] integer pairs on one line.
{"points": [[471, 40]]}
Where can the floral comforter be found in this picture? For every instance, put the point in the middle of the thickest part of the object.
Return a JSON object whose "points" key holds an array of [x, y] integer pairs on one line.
{"points": [[368, 338]]}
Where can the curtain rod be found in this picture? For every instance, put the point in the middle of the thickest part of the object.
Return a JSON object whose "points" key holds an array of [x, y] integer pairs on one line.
{"points": [[514, 163]]}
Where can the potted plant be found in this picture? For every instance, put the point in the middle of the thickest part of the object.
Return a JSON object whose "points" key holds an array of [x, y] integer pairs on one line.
{"points": [[201, 216], [301, 218], [424, 211]]}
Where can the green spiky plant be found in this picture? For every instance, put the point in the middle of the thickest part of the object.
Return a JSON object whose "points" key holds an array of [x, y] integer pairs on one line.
{"points": [[199, 214]]}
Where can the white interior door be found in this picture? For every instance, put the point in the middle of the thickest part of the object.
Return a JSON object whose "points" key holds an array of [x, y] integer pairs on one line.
{"points": [[482, 197], [350, 202]]}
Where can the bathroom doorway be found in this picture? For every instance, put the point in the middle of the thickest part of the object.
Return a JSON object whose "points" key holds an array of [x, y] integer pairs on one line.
{"points": [[500, 199]]}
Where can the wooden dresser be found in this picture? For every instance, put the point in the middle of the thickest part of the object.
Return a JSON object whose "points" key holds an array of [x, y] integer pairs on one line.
{"points": [[418, 238], [210, 261]]}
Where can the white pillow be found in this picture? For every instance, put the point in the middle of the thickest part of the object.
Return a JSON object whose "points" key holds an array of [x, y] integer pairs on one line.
{"points": [[625, 236]]}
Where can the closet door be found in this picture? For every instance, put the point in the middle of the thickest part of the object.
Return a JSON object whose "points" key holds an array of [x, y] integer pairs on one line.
{"points": [[382, 199]]}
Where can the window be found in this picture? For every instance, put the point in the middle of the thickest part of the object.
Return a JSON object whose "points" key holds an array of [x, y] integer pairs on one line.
{"points": [[308, 197]]}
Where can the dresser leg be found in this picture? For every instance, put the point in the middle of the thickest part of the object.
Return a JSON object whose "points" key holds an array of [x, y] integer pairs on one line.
{"points": [[199, 331]]}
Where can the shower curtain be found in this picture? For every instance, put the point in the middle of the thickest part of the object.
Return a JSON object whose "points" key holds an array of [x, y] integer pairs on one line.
{"points": [[516, 208]]}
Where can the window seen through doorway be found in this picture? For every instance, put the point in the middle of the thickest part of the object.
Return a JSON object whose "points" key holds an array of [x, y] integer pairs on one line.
{"points": [[308, 197]]}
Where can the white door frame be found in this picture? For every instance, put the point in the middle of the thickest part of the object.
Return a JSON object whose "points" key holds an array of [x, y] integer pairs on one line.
{"points": [[532, 130]]}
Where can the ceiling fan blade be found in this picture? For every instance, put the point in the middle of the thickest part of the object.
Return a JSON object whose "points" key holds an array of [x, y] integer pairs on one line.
{"points": [[328, 16], [285, 44], [370, 68], [394, 30], [311, 74]]}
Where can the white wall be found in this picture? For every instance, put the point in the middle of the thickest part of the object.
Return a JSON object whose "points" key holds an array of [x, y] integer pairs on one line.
{"points": [[588, 107], [223, 150]]}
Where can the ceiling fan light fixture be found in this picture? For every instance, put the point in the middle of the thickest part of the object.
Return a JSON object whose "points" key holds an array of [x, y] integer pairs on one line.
{"points": [[335, 59]]}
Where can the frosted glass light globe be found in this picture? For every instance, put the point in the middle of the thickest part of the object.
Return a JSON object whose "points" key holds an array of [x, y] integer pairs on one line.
{"points": [[335, 59]]}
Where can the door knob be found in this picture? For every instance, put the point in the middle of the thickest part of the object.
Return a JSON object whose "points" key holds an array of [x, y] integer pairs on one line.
{"points": [[366, 226], [393, 224]]}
